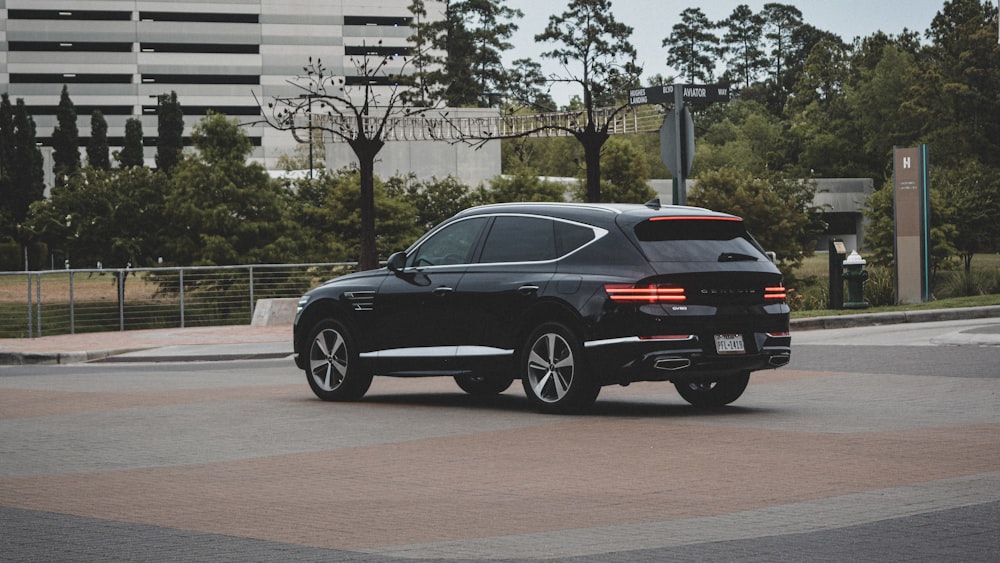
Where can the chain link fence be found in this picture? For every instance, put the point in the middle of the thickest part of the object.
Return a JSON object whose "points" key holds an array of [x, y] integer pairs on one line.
{"points": [[44, 303]]}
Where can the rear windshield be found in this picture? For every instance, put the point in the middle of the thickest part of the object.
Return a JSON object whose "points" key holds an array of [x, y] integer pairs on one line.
{"points": [[696, 240]]}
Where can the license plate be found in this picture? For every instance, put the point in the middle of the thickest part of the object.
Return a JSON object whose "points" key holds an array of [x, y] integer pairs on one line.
{"points": [[729, 344]]}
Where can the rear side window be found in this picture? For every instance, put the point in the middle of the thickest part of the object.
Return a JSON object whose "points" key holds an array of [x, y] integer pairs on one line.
{"points": [[519, 239], [696, 240], [532, 239]]}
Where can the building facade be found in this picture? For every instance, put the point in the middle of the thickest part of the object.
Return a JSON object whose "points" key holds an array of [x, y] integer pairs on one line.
{"points": [[118, 56]]}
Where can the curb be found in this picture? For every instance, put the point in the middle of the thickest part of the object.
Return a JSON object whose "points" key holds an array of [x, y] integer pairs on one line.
{"points": [[902, 317], [59, 358]]}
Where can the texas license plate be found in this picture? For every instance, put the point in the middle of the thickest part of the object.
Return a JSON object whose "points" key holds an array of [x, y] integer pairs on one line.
{"points": [[729, 344]]}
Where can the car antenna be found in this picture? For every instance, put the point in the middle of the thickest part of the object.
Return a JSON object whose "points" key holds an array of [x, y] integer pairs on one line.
{"points": [[653, 203]]}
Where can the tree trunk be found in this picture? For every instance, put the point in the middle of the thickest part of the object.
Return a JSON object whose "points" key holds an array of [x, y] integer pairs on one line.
{"points": [[366, 150], [592, 141]]}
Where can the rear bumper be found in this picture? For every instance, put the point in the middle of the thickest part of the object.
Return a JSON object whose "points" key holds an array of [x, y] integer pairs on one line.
{"points": [[630, 359]]}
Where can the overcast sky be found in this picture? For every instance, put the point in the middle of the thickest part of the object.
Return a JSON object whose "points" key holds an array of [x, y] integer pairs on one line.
{"points": [[652, 20]]}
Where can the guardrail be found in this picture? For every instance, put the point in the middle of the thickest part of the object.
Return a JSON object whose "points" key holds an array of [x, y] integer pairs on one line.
{"points": [[43, 303]]}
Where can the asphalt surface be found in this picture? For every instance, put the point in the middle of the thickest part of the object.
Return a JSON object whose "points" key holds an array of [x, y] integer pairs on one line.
{"points": [[252, 342], [146, 446]]}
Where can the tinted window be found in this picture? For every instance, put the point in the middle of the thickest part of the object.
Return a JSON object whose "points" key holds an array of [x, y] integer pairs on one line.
{"points": [[569, 237], [451, 245], [520, 239], [696, 241]]}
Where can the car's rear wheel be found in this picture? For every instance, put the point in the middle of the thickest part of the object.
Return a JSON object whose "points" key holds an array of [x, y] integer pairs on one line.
{"points": [[553, 373], [333, 370], [713, 393], [484, 383]]}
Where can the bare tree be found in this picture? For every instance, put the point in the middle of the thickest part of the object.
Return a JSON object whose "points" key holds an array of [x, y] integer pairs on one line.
{"points": [[360, 113]]}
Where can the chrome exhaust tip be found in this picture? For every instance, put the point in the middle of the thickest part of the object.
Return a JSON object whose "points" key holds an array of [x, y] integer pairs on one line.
{"points": [[779, 360], [672, 364]]}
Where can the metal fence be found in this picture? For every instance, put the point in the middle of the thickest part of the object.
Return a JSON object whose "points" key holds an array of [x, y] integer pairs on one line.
{"points": [[44, 303]]}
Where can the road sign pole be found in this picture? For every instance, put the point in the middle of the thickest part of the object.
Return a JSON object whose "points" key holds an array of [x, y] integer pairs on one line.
{"points": [[680, 182]]}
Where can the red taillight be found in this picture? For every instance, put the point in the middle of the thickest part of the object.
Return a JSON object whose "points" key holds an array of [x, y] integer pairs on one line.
{"points": [[623, 293], [776, 293], [695, 218]]}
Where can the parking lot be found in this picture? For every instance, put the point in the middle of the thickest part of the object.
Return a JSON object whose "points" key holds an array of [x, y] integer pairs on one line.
{"points": [[237, 460]]}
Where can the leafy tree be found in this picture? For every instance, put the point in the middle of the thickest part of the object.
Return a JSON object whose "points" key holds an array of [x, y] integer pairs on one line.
{"points": [[875, 97], [65, 139], [526, 86], [955, 96], [693, 47], [744, 135], [131, 154], [361, 119], [222, 210], [520, 187], [544, 156], [111, 217], [23, 173], [7, 228], [472, 37], [778, 212], [880, 238], [743, 42], [434, 200], [97, 147], [780, 23], [625, 173], [170, 132], [596, 54], [972, 192]]}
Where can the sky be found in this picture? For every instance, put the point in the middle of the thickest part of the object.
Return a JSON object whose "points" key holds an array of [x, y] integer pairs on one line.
{"points": [[652, 20]]}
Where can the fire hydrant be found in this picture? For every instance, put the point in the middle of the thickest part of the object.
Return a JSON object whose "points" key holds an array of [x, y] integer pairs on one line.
{"points": [[855, 276]]}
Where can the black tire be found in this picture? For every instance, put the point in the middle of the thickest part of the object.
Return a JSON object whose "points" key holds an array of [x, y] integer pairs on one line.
{"points": [[333, 369], [713, 393], [483, 384], [553, 371]]}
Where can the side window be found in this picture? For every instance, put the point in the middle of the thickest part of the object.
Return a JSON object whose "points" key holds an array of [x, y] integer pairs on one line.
{"points": [[569, 237], [451, 245], [520, 239]]}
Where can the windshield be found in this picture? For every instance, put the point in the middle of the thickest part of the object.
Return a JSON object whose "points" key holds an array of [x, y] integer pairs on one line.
{"points": [[697, 240]]}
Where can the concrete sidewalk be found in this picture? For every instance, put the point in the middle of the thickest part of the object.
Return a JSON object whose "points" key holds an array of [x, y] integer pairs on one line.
{"points": [[260, 342]]}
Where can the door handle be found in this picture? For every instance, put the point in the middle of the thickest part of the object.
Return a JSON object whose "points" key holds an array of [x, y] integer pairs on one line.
{"points": [[528, 290], [443, 290]]}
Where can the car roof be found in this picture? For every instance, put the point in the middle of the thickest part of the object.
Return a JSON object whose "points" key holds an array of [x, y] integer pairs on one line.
{"points": [[598, 213]]}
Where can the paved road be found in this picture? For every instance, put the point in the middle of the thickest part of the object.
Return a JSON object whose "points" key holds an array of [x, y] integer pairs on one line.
{"points": [[872, 445]]}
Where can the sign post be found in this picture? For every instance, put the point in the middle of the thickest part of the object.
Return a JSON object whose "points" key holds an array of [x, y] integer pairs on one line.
{"points": [[912, 216], [677, 132]]}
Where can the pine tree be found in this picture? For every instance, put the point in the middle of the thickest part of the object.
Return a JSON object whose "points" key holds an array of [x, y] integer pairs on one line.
{"points": [[97, 148], [65, 140], [132, 154], [170, 132]]}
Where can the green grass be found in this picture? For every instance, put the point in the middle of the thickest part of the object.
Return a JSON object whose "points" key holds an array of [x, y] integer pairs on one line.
{"points": [[950, 288], [951, 303]]}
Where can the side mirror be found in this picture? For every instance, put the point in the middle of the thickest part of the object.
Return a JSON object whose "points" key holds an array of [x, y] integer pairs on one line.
{"points": [[397, 262]]}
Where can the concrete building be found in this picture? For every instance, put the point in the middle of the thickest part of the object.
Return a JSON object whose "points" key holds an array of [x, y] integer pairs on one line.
{"points": [[119, 55]]}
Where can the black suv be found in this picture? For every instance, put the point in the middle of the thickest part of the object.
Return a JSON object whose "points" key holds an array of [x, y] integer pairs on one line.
{"points": [[565, 297]]}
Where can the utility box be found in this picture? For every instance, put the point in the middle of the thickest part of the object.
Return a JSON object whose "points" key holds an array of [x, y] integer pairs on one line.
{"points": [[838, 252]]}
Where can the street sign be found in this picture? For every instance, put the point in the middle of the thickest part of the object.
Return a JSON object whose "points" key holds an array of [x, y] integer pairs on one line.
{"points": [[689, 93], [670, 143]]}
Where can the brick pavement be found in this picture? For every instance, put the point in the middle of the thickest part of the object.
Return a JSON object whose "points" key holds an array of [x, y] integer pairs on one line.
{"points": [[237, 460]]}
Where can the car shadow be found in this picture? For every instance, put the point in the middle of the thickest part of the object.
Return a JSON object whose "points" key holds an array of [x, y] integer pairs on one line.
{"points": [[512, 402]]}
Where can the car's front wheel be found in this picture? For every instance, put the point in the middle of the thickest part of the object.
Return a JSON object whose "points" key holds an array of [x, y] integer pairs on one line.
{"points": [[553, 371], [334, 372], [483, 384], [713, 393]]}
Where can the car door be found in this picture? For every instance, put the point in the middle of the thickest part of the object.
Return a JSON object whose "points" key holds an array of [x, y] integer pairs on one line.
{"points": [[509, 276], [419, 321]]}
